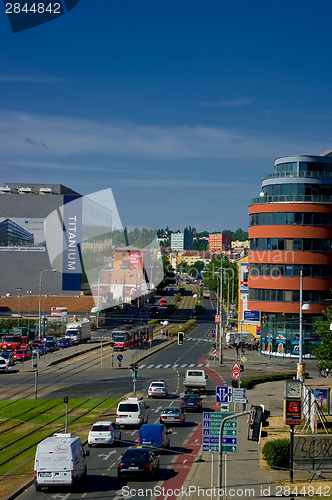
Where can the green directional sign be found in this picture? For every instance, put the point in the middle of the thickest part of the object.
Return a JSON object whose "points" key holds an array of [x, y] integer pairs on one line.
{"points": [[229, 448], [214, 447], [229, 432], [231, 423]]}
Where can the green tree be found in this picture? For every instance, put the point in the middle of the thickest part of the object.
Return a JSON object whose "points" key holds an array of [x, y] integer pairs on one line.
{"points": [[169, 273], [196, 268], [211, 277], [323, 352]]}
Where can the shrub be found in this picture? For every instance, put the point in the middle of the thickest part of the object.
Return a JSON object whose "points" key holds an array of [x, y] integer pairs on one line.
{"points": [[276, 453]]}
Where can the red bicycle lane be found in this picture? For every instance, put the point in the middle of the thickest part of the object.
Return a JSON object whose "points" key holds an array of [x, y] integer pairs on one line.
{"points": [[171, 488]]}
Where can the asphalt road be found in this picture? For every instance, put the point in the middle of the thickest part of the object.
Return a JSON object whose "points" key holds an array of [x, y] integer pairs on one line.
{"points": [[85, 379]]}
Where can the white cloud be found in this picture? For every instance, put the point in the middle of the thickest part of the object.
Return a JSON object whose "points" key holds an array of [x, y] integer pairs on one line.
{"points": [[40, 137]]}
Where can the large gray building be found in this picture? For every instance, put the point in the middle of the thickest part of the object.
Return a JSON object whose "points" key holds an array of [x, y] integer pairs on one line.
{"points": [[41, 229]]}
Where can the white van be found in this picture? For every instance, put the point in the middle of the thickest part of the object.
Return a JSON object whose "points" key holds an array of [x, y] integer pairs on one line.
{"points": [[59, 461], [132, 411]]}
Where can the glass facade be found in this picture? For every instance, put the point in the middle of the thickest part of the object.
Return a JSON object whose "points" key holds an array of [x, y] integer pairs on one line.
{"points": [[293, 218]]}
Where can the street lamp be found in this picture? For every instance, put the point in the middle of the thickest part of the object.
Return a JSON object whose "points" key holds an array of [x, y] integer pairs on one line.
{"points": [[18, 305], [29, 292], [303, 307], [40, 295]]}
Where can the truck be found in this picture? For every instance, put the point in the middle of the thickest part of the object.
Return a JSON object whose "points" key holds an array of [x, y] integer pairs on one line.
{"points": [[79, 331], [206, 294], [59, 461], [11, 342], [195, 380]]}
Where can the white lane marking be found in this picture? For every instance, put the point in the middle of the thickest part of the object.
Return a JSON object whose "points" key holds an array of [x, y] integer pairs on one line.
{"points": [[174, 366], [132, 433], [183, 366], [200, 364], [150, 366], [166, 366], [142, 366], [107, 456], [158, 366], [192, 364], [111, 466]]}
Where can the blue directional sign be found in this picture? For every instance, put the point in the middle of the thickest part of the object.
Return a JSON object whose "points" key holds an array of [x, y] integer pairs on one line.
{"points": [[119, 357], [223, 394], [229, 440], [213, 335]]}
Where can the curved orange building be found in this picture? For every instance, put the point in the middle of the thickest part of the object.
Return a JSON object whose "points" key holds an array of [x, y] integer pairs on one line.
{"points": [[291, 231]]}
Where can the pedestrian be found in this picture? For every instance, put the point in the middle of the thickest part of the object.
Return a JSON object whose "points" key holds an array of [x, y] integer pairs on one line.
{"points": [[150, 342]]}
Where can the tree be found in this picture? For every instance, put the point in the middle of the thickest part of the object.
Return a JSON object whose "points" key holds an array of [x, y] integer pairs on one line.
{"points": [[211, 277], [323, 352]]}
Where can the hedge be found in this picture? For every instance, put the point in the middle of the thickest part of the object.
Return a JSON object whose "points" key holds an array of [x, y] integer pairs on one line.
{"points": [[185, 328], [276, 453], [261, 379]]}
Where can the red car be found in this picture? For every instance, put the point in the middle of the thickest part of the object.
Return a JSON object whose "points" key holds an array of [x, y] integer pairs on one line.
{"points": [[22, 355]]}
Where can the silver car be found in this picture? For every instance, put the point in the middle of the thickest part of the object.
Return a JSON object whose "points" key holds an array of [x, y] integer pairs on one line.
{"points": [[172, 415], [3, 365], [104, 433]]}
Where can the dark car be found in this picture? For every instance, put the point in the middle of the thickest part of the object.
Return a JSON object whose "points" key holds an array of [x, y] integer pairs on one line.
{"points": [[191, 402], [139, 461], [50, 345], [64, 342]]}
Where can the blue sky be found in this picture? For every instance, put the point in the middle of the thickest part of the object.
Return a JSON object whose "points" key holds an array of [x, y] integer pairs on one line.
{"points": [[181, 107]]}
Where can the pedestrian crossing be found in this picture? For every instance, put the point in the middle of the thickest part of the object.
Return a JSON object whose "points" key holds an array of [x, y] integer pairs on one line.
{"points": [[170, 365]]}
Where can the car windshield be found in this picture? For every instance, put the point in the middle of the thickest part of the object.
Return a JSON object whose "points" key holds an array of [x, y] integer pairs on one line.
{"points": [[195, 374], [136, 455], [157, 384], [4, 355], [191, 397]]}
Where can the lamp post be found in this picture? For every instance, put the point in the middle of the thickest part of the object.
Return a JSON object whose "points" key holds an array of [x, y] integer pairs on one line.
{"points": [[221, 311], [29, 292], [303, 307], [18, 305], [40, 295]]}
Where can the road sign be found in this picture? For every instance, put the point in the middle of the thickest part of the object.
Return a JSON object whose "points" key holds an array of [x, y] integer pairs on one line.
{"points": [[229, 448], [229, 440], [236, 374], [236, 366], [239, 392], [213, 335], [119, 357], [223, 394], [213, 331], [229, 432], [217, 318], [214, 353], [224, 407]]}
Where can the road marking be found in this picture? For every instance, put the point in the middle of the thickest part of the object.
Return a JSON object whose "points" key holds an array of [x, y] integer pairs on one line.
{"points": [[174, 366], [183, 366], [158, 366], [150, 366], [142, 366], [192, 364], [107, 456], [200, 364], [111, 466], [167, 366]]}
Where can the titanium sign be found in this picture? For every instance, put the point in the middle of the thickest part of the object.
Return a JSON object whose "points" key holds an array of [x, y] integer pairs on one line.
{"points": [[72, 240]]}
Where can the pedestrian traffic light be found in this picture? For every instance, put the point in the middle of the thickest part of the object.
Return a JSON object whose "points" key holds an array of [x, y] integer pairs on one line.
{"points": [[214, 346], [65, 400], [242, 368], [257, 419], [180, 338]]}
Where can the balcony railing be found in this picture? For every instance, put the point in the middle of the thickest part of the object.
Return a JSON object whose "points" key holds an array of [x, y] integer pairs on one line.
{"points": [[311, 174], [292, 198]]}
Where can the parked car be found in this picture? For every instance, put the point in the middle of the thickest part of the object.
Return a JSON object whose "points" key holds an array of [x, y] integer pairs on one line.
{"points": [[22, 355], [157, 388], [104, 433], [140, 461], [172, 415], [154, 435], [191, 402], [8, 356], [3, 366]]}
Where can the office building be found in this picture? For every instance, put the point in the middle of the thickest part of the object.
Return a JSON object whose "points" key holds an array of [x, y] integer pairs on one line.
{"points": [[291, 231]]}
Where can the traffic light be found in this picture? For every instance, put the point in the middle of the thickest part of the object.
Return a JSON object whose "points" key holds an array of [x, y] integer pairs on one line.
{"points": [[180, 338], [257, 419], [242, 368], [65, 400]]}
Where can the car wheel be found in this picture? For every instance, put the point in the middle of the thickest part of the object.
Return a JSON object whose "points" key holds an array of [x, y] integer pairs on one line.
{"points": [[37, 487]]}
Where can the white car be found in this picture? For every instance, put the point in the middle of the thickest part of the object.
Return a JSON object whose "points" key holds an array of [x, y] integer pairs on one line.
{"points": [[157, 388], [3, 365], [132, 411], [8, 356], [104, 433]]}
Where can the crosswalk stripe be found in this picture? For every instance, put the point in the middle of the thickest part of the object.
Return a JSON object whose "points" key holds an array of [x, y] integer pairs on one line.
{"points": [[192, 364], [142, 366], [182, 366], [150, 366], [158, 366], [200, 364], [166, 366], [174, 366]]}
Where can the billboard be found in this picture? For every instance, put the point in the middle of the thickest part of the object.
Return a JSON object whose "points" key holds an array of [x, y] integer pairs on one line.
{"points": [[22, 235]]}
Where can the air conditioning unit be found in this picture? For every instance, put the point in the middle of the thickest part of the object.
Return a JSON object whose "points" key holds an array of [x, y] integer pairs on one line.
{"points": [[8, 189], [46, 190], [25, 190]]}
